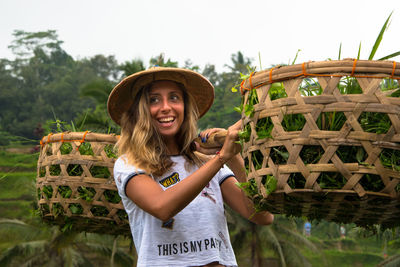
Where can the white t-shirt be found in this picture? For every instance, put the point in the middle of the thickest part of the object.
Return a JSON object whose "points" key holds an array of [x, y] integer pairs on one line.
{"points": [[197, 235]]}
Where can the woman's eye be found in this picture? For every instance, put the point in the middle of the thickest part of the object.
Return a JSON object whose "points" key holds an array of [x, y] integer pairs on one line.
{"points": [[174, 97], [153, 100]]}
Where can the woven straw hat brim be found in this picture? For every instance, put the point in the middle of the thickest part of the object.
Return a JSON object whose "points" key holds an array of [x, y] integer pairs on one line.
{"points": [[121, 97]]}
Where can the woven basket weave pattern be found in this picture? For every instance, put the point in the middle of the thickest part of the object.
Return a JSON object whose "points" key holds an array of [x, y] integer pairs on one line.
{"points": [[75, 183], [354, 201]]}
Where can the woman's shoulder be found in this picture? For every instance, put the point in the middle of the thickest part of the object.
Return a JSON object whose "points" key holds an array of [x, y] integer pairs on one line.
{"points": [[122, 163]]}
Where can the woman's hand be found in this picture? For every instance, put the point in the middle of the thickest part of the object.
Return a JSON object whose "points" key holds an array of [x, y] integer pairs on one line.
{"points": [[231, 147], [209, 149], [228, 149]]}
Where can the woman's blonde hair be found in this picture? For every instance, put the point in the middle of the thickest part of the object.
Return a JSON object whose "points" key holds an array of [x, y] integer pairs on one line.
{"points": [[141, 143]]}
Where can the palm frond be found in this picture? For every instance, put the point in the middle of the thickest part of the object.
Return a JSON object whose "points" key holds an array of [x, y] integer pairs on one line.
{"points": [[72, 257], [293, 255], [24, 249], [275, 244], [37, 259], [97, 90], [297, 238], [120, 256], [392, 261]]}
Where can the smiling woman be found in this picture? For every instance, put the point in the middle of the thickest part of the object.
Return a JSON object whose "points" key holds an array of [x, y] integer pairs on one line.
{"points": [[174, 196], [166, 103]]}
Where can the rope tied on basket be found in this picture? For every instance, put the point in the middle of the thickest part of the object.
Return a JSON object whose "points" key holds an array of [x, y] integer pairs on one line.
{"points": [[242, 88], [270, 74], [83, 140], [394, 68], [303, 67], [354, 68], [48, 141]]}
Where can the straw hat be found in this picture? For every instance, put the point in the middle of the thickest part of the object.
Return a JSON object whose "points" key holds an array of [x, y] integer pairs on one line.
{"points": [[121, 97]]}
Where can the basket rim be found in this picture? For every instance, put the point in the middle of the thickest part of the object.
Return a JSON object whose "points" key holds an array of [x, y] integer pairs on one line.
{"points": [[78, 137], [344, 67]]}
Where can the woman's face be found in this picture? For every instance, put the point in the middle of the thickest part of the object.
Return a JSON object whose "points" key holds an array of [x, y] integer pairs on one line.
{"points": [[167, 107]]}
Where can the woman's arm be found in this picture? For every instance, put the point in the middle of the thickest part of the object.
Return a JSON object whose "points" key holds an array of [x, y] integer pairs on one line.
{"points": [[148, 195], [232, 194], [237, 199]]}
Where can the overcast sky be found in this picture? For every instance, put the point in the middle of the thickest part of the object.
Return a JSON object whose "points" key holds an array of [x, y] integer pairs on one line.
{"points": [[207, 31]]}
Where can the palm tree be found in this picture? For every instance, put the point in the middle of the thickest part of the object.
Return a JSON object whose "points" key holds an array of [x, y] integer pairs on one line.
{"points": [[282, 238], [130, 67], [48, 246]]}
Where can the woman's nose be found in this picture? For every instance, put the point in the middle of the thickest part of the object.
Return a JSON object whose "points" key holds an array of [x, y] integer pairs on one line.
{"points": [[165, 105]]}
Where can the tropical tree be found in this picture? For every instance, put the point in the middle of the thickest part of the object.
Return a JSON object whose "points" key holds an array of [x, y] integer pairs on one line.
{"points": [[133, 66], [35, 245], [252, 242]]}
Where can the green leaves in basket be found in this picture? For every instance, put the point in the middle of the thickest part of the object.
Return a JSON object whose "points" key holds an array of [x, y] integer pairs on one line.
{"points": [[65, 191], [243, 77], [349, 85], [331, 121], [249, 110], [251, 101], [277, 91], [250, 187], [293, 122], [76, 208], [239, 109], [264, 128], [65, 148], [47, 191], [86, 149], [57, 209], [112, 196], [310, 87], [244, 135], [110, 152], [251, 190], [270, 184], [374, 122], [86, 193], [390, 158]]}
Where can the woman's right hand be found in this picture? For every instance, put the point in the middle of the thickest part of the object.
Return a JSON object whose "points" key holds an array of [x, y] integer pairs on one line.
{"points": [[231, 147]]}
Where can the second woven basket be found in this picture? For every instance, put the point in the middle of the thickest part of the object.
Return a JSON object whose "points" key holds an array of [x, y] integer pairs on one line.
{"points": [[329, 132]]}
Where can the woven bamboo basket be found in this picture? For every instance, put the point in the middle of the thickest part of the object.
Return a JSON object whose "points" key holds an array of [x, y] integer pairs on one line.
{"points": [[75, 184], [368, 191]]}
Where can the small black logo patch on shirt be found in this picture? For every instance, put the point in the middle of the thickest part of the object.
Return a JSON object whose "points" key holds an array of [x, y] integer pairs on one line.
{"points": [[168, 224], [170, 180]]}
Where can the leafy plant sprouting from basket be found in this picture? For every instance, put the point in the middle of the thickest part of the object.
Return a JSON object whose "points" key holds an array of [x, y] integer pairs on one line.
{"points": [[251, 190]]}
